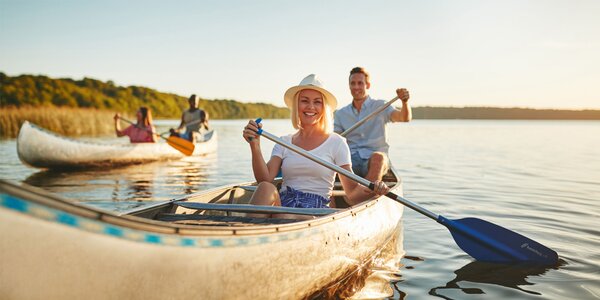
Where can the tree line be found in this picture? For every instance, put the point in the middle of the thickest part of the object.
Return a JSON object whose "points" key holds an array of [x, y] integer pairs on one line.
{"points": [[497, 113], [39, 90]]}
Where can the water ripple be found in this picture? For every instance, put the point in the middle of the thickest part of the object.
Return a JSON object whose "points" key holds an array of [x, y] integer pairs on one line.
{"points": [[512, 173]]}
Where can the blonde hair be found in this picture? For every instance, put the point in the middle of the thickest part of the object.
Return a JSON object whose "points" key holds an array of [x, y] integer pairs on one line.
{"points": [[326, 121]]}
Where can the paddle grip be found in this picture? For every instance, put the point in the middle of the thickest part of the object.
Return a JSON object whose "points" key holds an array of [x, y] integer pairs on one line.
{"points": [[346, 173], [345, 133], [259, 130]]}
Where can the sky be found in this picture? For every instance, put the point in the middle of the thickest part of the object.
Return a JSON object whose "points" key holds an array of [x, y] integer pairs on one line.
{"points": [[511, 53]]}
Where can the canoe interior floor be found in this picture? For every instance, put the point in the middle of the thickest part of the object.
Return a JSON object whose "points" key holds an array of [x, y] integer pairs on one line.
{"points": [[212, 220]]}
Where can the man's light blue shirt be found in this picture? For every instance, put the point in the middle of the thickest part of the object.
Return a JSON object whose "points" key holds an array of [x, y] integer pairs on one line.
{"points": [[369, 137]]}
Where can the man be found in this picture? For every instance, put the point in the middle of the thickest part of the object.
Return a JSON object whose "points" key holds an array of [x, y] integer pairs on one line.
{"points": [[192, 119], [368, 142]]}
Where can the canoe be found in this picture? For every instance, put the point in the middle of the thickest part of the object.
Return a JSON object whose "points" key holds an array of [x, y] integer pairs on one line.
{"points": [[41, 148], [200, 246]]}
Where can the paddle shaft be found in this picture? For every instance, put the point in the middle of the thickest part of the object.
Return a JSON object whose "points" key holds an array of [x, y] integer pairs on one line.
{"points": [[161, 135], [346, 173], [480, 239], [187, 124], [367, 118], [146, 129]]}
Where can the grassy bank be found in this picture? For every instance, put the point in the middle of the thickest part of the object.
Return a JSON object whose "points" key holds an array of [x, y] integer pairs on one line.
{"points": [[64, 121]]}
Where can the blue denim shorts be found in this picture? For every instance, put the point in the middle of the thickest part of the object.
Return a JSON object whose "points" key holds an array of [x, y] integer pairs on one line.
{"points": [[295, 198], [360, 166]]}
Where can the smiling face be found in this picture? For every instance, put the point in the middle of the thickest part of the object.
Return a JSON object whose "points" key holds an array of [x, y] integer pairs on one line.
{"points": [[310, 107], [359, 85]]}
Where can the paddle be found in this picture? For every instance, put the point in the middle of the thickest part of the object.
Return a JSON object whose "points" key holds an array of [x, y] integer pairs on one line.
{"points": [[182, 145], [481, 239], [187, 124], [367, 118]]}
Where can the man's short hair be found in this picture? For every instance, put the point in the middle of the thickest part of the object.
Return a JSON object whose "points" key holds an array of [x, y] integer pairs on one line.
{"points": [[359, 70]]}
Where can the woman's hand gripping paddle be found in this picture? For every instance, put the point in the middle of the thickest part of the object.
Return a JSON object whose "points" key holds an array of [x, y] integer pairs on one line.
{"points": [[481, 239]]}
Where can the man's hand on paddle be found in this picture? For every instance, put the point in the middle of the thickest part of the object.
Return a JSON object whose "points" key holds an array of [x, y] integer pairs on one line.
{"points": [[403, 94]]}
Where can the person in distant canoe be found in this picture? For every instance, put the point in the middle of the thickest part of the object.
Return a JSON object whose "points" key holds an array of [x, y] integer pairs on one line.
{"points": [[193, 120], [142, 131], [368, 142], [306, 184]]}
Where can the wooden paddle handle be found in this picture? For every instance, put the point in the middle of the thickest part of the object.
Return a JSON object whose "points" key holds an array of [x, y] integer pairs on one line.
{"points": [[345, 133], [344, 172]]}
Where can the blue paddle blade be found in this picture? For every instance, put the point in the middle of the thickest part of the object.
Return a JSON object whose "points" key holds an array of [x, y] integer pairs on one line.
{"points": [[489, 242], [481, 239]]}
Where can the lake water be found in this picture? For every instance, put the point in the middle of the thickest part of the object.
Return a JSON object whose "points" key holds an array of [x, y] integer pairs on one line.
{"points": [[538, 178]]}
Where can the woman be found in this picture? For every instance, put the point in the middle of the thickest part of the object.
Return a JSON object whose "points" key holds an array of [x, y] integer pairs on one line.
{"points": [[142, 131], [305, 183]]}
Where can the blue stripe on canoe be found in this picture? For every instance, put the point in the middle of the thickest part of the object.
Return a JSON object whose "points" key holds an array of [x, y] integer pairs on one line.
{"points": [[98, 227], [215, 243], [14, 203], [114, 231], [153, 238], [67, 219], [187, 242]]}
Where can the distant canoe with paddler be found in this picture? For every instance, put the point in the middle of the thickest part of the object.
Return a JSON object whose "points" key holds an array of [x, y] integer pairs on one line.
{"points": [[199, 246], [44, 149]]}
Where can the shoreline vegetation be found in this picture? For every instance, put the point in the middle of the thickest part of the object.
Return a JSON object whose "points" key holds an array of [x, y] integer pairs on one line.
{"points": [[65, 121], [502, 113], [65, 105], [86, 107]]}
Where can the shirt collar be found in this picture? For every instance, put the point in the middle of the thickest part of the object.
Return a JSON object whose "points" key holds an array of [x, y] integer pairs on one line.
{"points": [[365, 104]]}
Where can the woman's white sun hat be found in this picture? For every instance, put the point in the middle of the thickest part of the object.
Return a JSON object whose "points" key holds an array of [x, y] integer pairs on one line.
{"points": [[311, 82]]}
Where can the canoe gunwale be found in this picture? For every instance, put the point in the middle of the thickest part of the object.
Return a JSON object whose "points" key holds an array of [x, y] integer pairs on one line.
{"points": [[125, 219]]}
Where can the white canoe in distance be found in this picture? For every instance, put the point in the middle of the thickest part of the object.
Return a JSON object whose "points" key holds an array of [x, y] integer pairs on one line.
{"points": [[41, 148], [53, 248]]}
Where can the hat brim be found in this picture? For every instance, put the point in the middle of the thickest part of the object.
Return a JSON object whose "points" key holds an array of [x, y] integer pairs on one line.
{"points": [[329, 100]]}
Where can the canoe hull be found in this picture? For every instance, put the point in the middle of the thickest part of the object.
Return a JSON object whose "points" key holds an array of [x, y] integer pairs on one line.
{"points": [[64, 253], [43, 149]]}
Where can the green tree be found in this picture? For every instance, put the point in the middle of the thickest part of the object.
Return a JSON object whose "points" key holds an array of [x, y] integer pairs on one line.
{"points": [[31, 90]]}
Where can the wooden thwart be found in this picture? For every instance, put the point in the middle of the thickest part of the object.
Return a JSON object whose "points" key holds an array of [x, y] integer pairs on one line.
{"points": [[246, 208]]}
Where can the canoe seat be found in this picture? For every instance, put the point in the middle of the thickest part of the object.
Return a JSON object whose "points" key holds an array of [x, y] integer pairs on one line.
{"points": [[212, 220], [338, 193]]}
